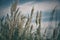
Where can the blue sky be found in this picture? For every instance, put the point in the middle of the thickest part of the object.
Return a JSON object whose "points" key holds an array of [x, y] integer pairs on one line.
{"points": [[8, 2], [4, 3], [40, 4]]}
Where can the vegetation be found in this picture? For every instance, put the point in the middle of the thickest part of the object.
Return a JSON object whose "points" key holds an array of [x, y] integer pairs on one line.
{"points": [[14, 27]]}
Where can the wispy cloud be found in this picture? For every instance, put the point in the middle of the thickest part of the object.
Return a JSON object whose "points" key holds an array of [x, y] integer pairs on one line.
{"points": [[26, 7], [43, 6]]}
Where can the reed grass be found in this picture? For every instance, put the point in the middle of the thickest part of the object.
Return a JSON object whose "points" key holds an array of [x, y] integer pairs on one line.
{"points": [[11, 26]]}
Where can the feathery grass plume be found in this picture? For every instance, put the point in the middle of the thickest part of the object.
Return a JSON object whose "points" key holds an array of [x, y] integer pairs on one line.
{"points": [[13, 7], [12, 22], [32, 11], [23, 17], [16, 13], [27, 25], [31, 28], [13, 29], [17, 18], [2, 37], [21, 26], [29, 19], [40, 21], [52, 13], [37, 17], [56, 32], [40, 18], [44, 35], [5, 28], [39, 28], [30, 33], [52, 17]]}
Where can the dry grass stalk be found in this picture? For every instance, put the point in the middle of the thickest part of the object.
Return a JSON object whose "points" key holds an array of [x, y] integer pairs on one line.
{"points": [[16, 21], [37, 18], [39, 27]]}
